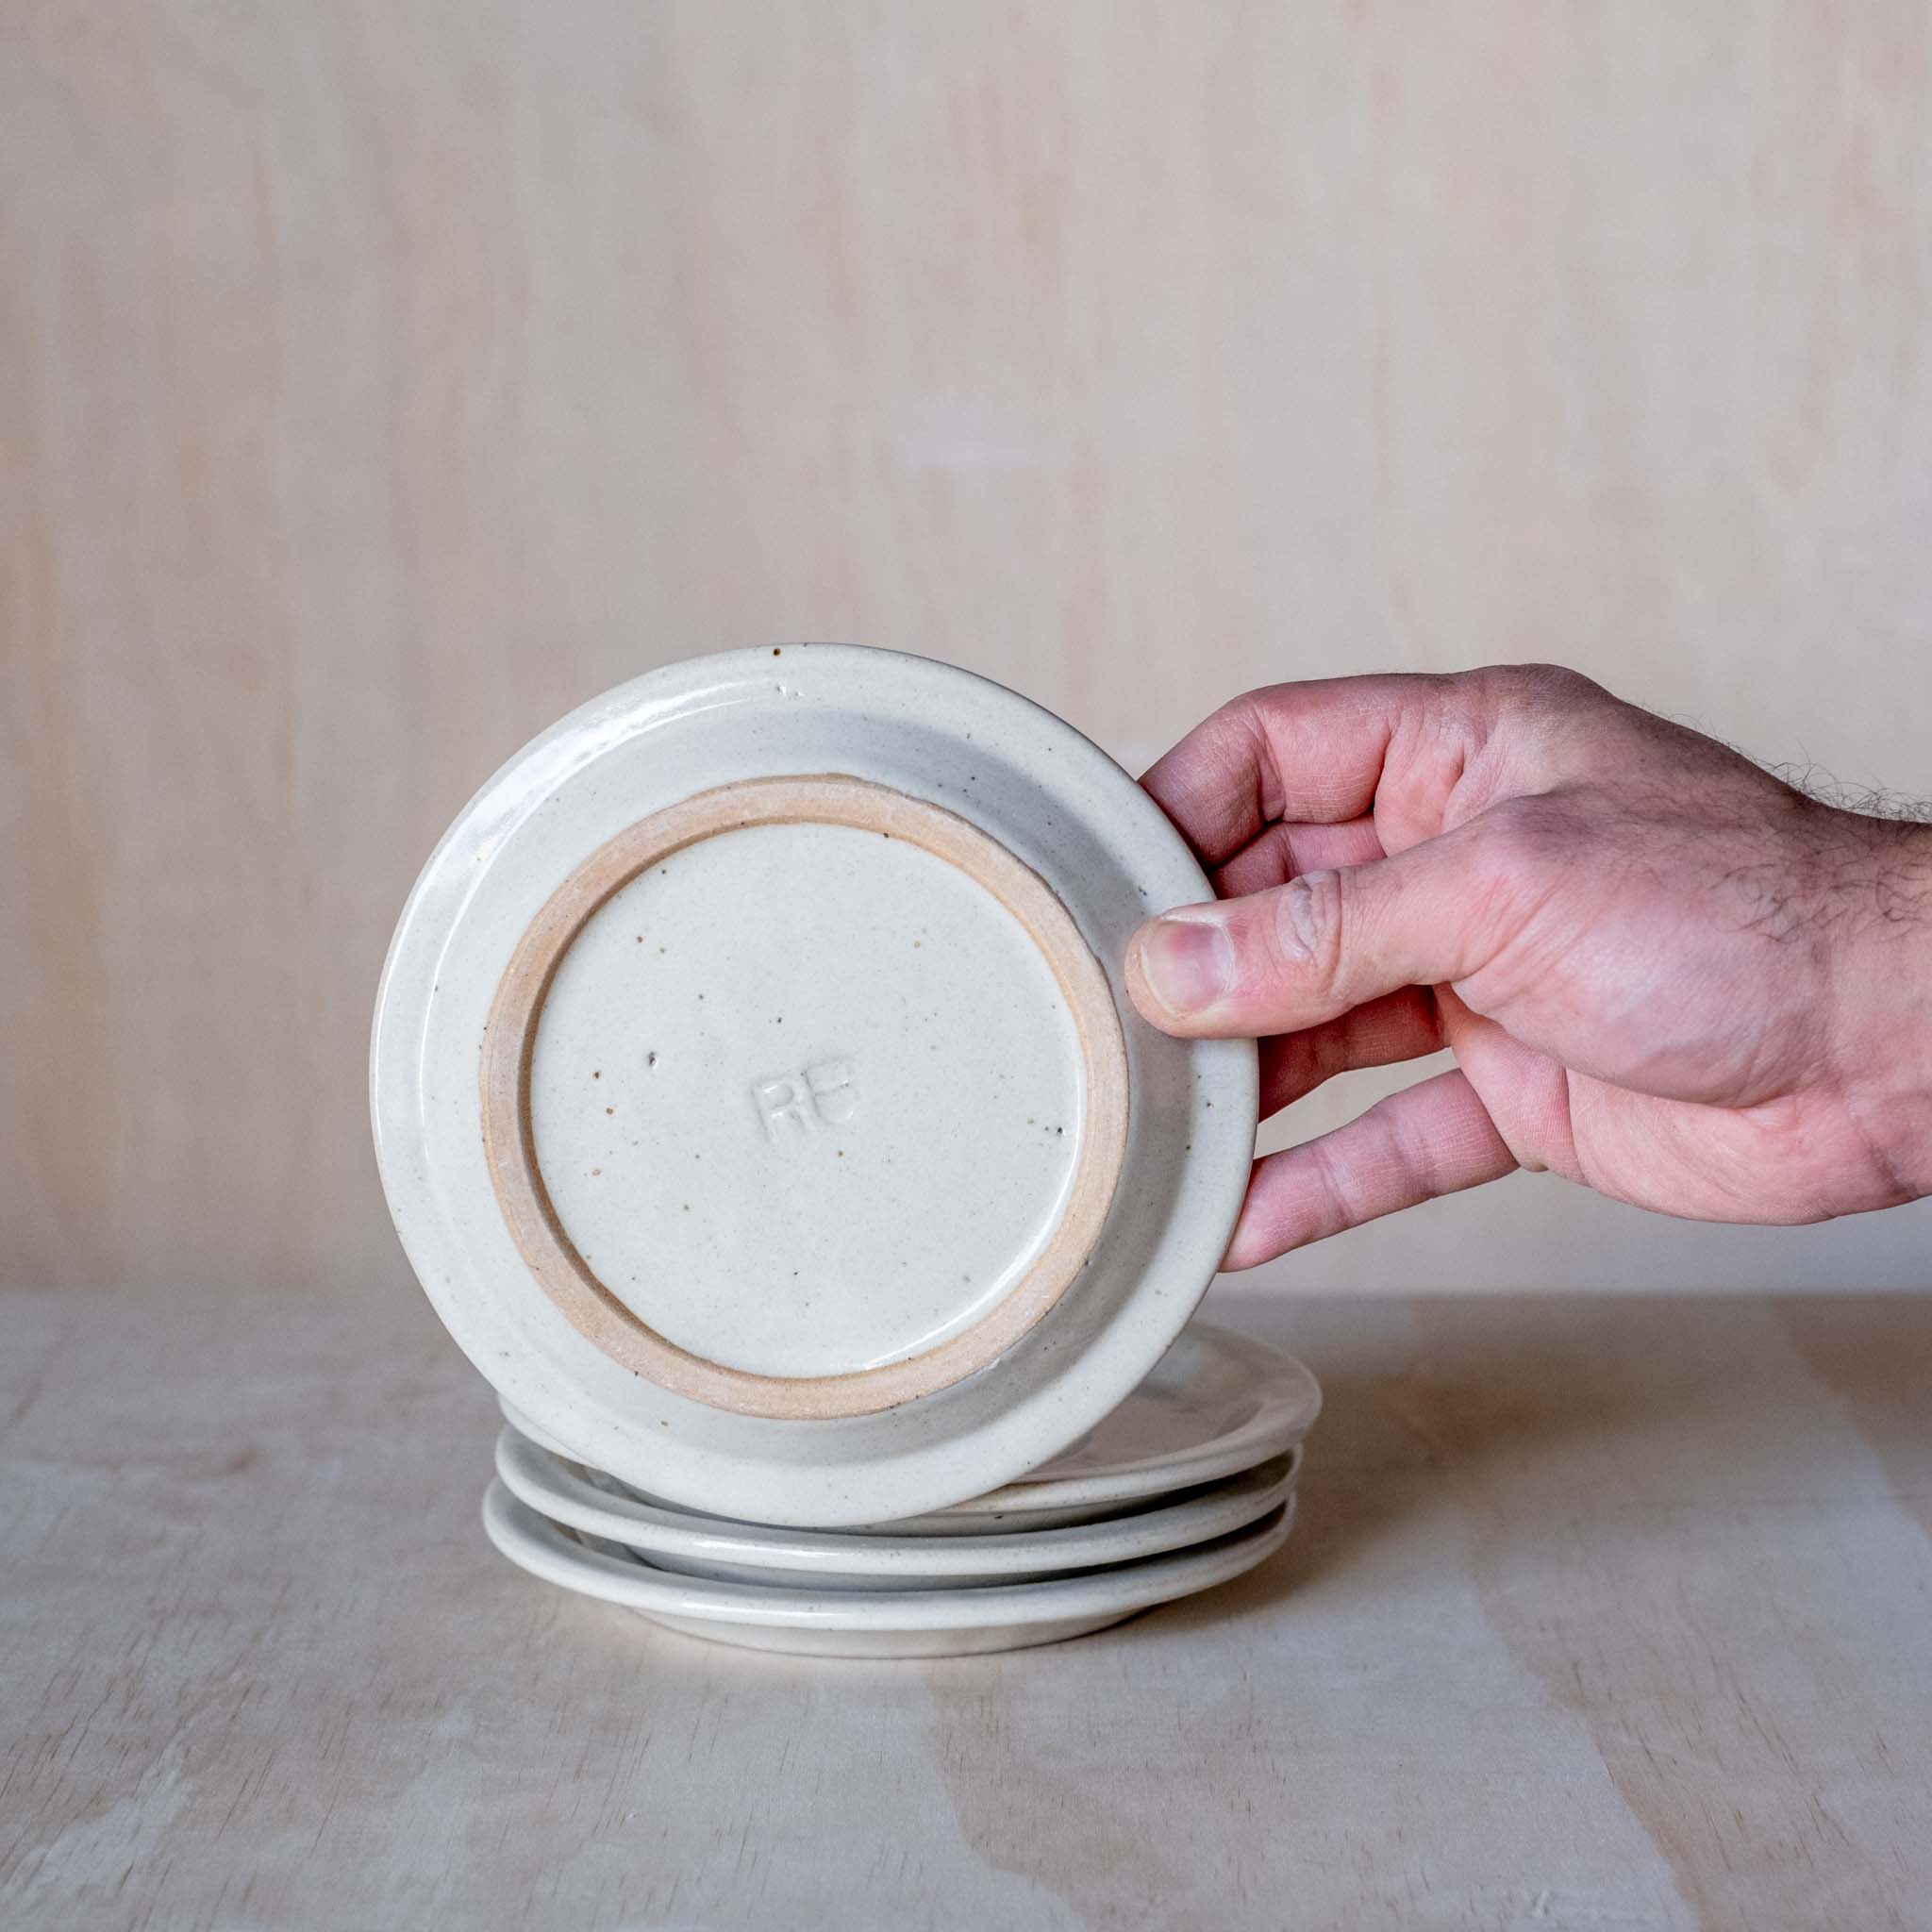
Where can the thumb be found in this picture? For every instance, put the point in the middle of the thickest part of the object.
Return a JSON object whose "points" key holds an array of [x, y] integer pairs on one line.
{"points": [[1324, 942]]}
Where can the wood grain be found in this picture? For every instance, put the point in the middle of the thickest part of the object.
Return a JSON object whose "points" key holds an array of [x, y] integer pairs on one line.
{"points": [[1601, 1614], [378, 380]]}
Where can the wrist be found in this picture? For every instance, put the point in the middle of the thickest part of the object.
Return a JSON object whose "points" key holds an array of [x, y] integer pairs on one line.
{"points": [[1886, 1000]]}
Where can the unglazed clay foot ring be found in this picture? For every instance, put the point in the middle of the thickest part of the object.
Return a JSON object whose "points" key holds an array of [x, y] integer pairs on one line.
{"points": [[510, 1145]]}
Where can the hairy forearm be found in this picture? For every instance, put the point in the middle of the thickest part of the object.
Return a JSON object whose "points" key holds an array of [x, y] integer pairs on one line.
{"points": [[1879, 903]]}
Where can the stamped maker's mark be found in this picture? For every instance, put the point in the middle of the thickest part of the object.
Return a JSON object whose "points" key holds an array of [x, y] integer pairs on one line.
{"points": [[792, 1105]]}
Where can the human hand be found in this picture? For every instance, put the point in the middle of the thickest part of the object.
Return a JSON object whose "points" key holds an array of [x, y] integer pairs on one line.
{"points": [[1663, 972]]}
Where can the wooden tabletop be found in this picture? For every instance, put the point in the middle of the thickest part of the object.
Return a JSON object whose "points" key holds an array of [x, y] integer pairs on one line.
{"points": [[1602, 1613]]}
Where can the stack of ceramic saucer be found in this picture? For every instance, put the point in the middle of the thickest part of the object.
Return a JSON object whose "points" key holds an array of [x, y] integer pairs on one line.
{"points": [[1190, 1482], [758, 1099]]}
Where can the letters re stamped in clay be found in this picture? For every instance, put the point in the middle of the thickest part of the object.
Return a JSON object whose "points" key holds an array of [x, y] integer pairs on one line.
{"points": [[791, 1105]]}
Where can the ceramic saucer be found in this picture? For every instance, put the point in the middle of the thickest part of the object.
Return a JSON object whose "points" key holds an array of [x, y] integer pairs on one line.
{"points": [[753, 1072], [892, 1624], [1216, 1403], [707, 1546]]}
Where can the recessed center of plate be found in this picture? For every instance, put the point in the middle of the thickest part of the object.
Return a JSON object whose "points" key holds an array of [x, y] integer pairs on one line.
{"points": [[805, 1098]]}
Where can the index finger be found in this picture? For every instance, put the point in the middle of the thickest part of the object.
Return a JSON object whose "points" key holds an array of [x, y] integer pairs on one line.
{"points": [[1311, 752]]}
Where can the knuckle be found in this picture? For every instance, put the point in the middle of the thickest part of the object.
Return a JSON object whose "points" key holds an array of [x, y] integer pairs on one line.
{"points": [[1540, 691], [1413, 1160], [1557, 684], [1524, 836], [1358, 1175], [1304, 937], [1335, 1201], [1523, 847]]}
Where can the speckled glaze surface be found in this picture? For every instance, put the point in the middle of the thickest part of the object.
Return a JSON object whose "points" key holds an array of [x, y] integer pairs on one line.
{"points": [[711, 1546], [853, 945], [807, 1111], [815, 1621]]}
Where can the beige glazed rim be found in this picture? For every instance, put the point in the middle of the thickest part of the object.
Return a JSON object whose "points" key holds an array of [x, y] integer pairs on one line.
{"points": [[512, 1155]]}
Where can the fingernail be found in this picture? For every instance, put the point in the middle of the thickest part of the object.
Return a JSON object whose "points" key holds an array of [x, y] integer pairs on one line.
{"points": [[1188, 964]]}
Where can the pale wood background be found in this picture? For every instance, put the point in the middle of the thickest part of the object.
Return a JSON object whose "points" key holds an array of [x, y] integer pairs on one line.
{"points": [[377, 380]]}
